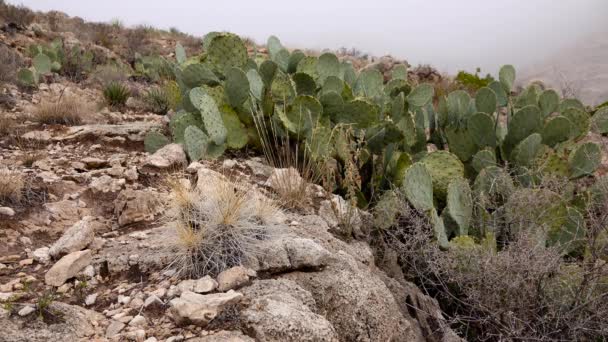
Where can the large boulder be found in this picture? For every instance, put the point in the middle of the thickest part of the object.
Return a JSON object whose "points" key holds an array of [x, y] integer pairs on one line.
{"points": [[280, 310]]}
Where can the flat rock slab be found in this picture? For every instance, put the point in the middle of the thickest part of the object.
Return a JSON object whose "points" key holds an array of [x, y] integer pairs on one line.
{"points": [[135, 131], [67, 267]]}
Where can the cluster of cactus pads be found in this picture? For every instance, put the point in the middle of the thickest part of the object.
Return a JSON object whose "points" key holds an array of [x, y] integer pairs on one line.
{"points": [[495, 141]]}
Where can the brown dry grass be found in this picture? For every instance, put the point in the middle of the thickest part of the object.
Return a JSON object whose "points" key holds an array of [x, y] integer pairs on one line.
{"points": [[12, 185], [67, 110]]}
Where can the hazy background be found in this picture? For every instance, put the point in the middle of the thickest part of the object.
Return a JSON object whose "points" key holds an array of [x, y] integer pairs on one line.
{"points": [[448, 34]]}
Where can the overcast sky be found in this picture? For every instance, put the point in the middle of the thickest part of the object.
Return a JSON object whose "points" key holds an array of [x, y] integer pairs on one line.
{"points": [[449, 34]]}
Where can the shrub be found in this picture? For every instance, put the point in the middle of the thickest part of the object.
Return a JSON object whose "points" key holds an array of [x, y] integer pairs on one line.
{"points": [[157, 100], [473, 81], [6, 125], [116, 94], [10, 63], [76, 63], [219, 224], [11, 186], [18, 15], [110, 73], [67, 110]]}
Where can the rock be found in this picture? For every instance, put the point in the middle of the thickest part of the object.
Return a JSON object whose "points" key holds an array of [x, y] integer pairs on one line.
{"points": [[67, 267], [94, 163], [76, 324], [224, 336], [202, 285], [26, 310], [90, 299], [282, 180], [280, 310], [153, 302], [42, 136], [76, 238], [233, 278], [337, 211], [4, 314], [258, 167], [114, 328], [201, 309], [134, 131], [133, 206], [138, 321], [6, 211], [169, 156], [289, 253], [106, 184]]}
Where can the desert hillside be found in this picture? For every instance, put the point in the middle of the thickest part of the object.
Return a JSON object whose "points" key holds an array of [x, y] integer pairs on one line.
{"points": [[581, 70], [156, 186]]}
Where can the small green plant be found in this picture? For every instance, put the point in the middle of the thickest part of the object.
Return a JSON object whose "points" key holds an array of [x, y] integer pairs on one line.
{"points": [[157, 100], [116, 94], [473, 81]]}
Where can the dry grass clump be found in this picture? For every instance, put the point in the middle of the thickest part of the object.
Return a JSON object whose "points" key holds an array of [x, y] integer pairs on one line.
{"points": [[219, 225], [67, 110], [12, 185], [6, 125]]}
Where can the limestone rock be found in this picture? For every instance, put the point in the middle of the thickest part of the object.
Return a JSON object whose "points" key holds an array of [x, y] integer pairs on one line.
{"points": [[169, 156], [289, 253], [133, 206], [201, 309], [6, 211], [67, 267], [224, 336], [76, 238], [202, 285], [233, 278], [106, 184]]}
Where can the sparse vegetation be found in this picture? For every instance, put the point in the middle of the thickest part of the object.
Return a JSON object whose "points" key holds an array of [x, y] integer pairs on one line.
{"points": [[116, 94], [219, 225], [12, 185], [66, 110], [10, 62], [17, 15]]}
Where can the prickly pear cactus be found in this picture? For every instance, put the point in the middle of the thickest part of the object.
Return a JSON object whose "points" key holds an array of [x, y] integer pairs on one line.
{"points": [[499, 91], [274, 46], [569, 237], [226, 50], [302, 115], [580, 121], [481, 128], [154, 141], [439, 228], [570, 103], [485, 100], [444, 168], [493, 186], [282, 59], [180, 53], [460, 204], [210, 114], [548, 101], [599, 121], [399, 72], [236, 87], [417, 186], [28, 77], [236, 136], [196, 142], [180, 122], [348, 72], [327, 65], [483, 159], [305, 84], [524, 122], [369, 84], [506, 75], [358, 112], [282, 88], [556, 130], [460, 143], [42, 63], [458, 107], [526, 151], [308, 65], [195, 75], [421, 95], [584, 160], [295, 58], [256, 84]]}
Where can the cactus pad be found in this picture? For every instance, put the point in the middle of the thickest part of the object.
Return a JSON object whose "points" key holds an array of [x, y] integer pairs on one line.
{"points": [[236, 87], [526, 151], [196, 142], [256, 85], [481, 129], [195, 75], [210, 114], [180, 122], [485, 100], [580, 122], [236, 137], [506, 75], [327, 65], [225, 51], [421, 95], [483, 159], [369, 84], [460, 204], [42, 64], [584, 160], [524, 122], [359, 112], [556, 130], [417, 186], [155, 141], [399, 72], [548, 101], [444, 167]]}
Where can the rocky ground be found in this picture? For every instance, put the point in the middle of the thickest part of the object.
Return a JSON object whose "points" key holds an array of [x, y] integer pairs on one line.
{"points": [[86, 254]]}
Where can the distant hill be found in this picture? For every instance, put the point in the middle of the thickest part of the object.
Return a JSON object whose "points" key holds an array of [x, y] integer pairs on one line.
{"points": [[581, 69]]}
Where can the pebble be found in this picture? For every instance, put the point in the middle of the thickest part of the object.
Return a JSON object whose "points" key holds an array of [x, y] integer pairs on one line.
{"points": [[26, 310], [90, 300]]}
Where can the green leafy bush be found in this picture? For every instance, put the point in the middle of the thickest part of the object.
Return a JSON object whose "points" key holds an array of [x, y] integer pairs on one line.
{"points": [[116, 94]]}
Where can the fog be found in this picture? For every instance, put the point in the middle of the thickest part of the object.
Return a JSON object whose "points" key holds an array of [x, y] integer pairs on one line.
{"points": [[450, 35]]}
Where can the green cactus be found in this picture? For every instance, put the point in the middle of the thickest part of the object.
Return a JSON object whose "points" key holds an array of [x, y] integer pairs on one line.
{"points": [[196, 142], [485, 100], [599, 121], [308, 65], [282, 59], [327, 65], [460, 143], [396, 86], [444, 167], [256, 85], [369, 84], [236, 136], [483, 159], [506, 75], [528, 97], [348, 72], [569, 236], [332, 105], [282, 88], [499, 91], [421, 95], [294, 59], [570, 103], [556, 130], [180, 122], [302, 115], [210, 114], [236, 87], [226, 50], [305, 84], [439, 228], [274, 46], [268, 70], [584, 160], [399, 72], [359, 112], [417, 186], [195, 75], [460, 204], [481, 129], [42, 63], [524, 122], [180, 54], [493, 186], [548, 101], [208, 38], [526, 151], [28, 77], [458, 107], [580, 120], [333, 83], [154, 141]]}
